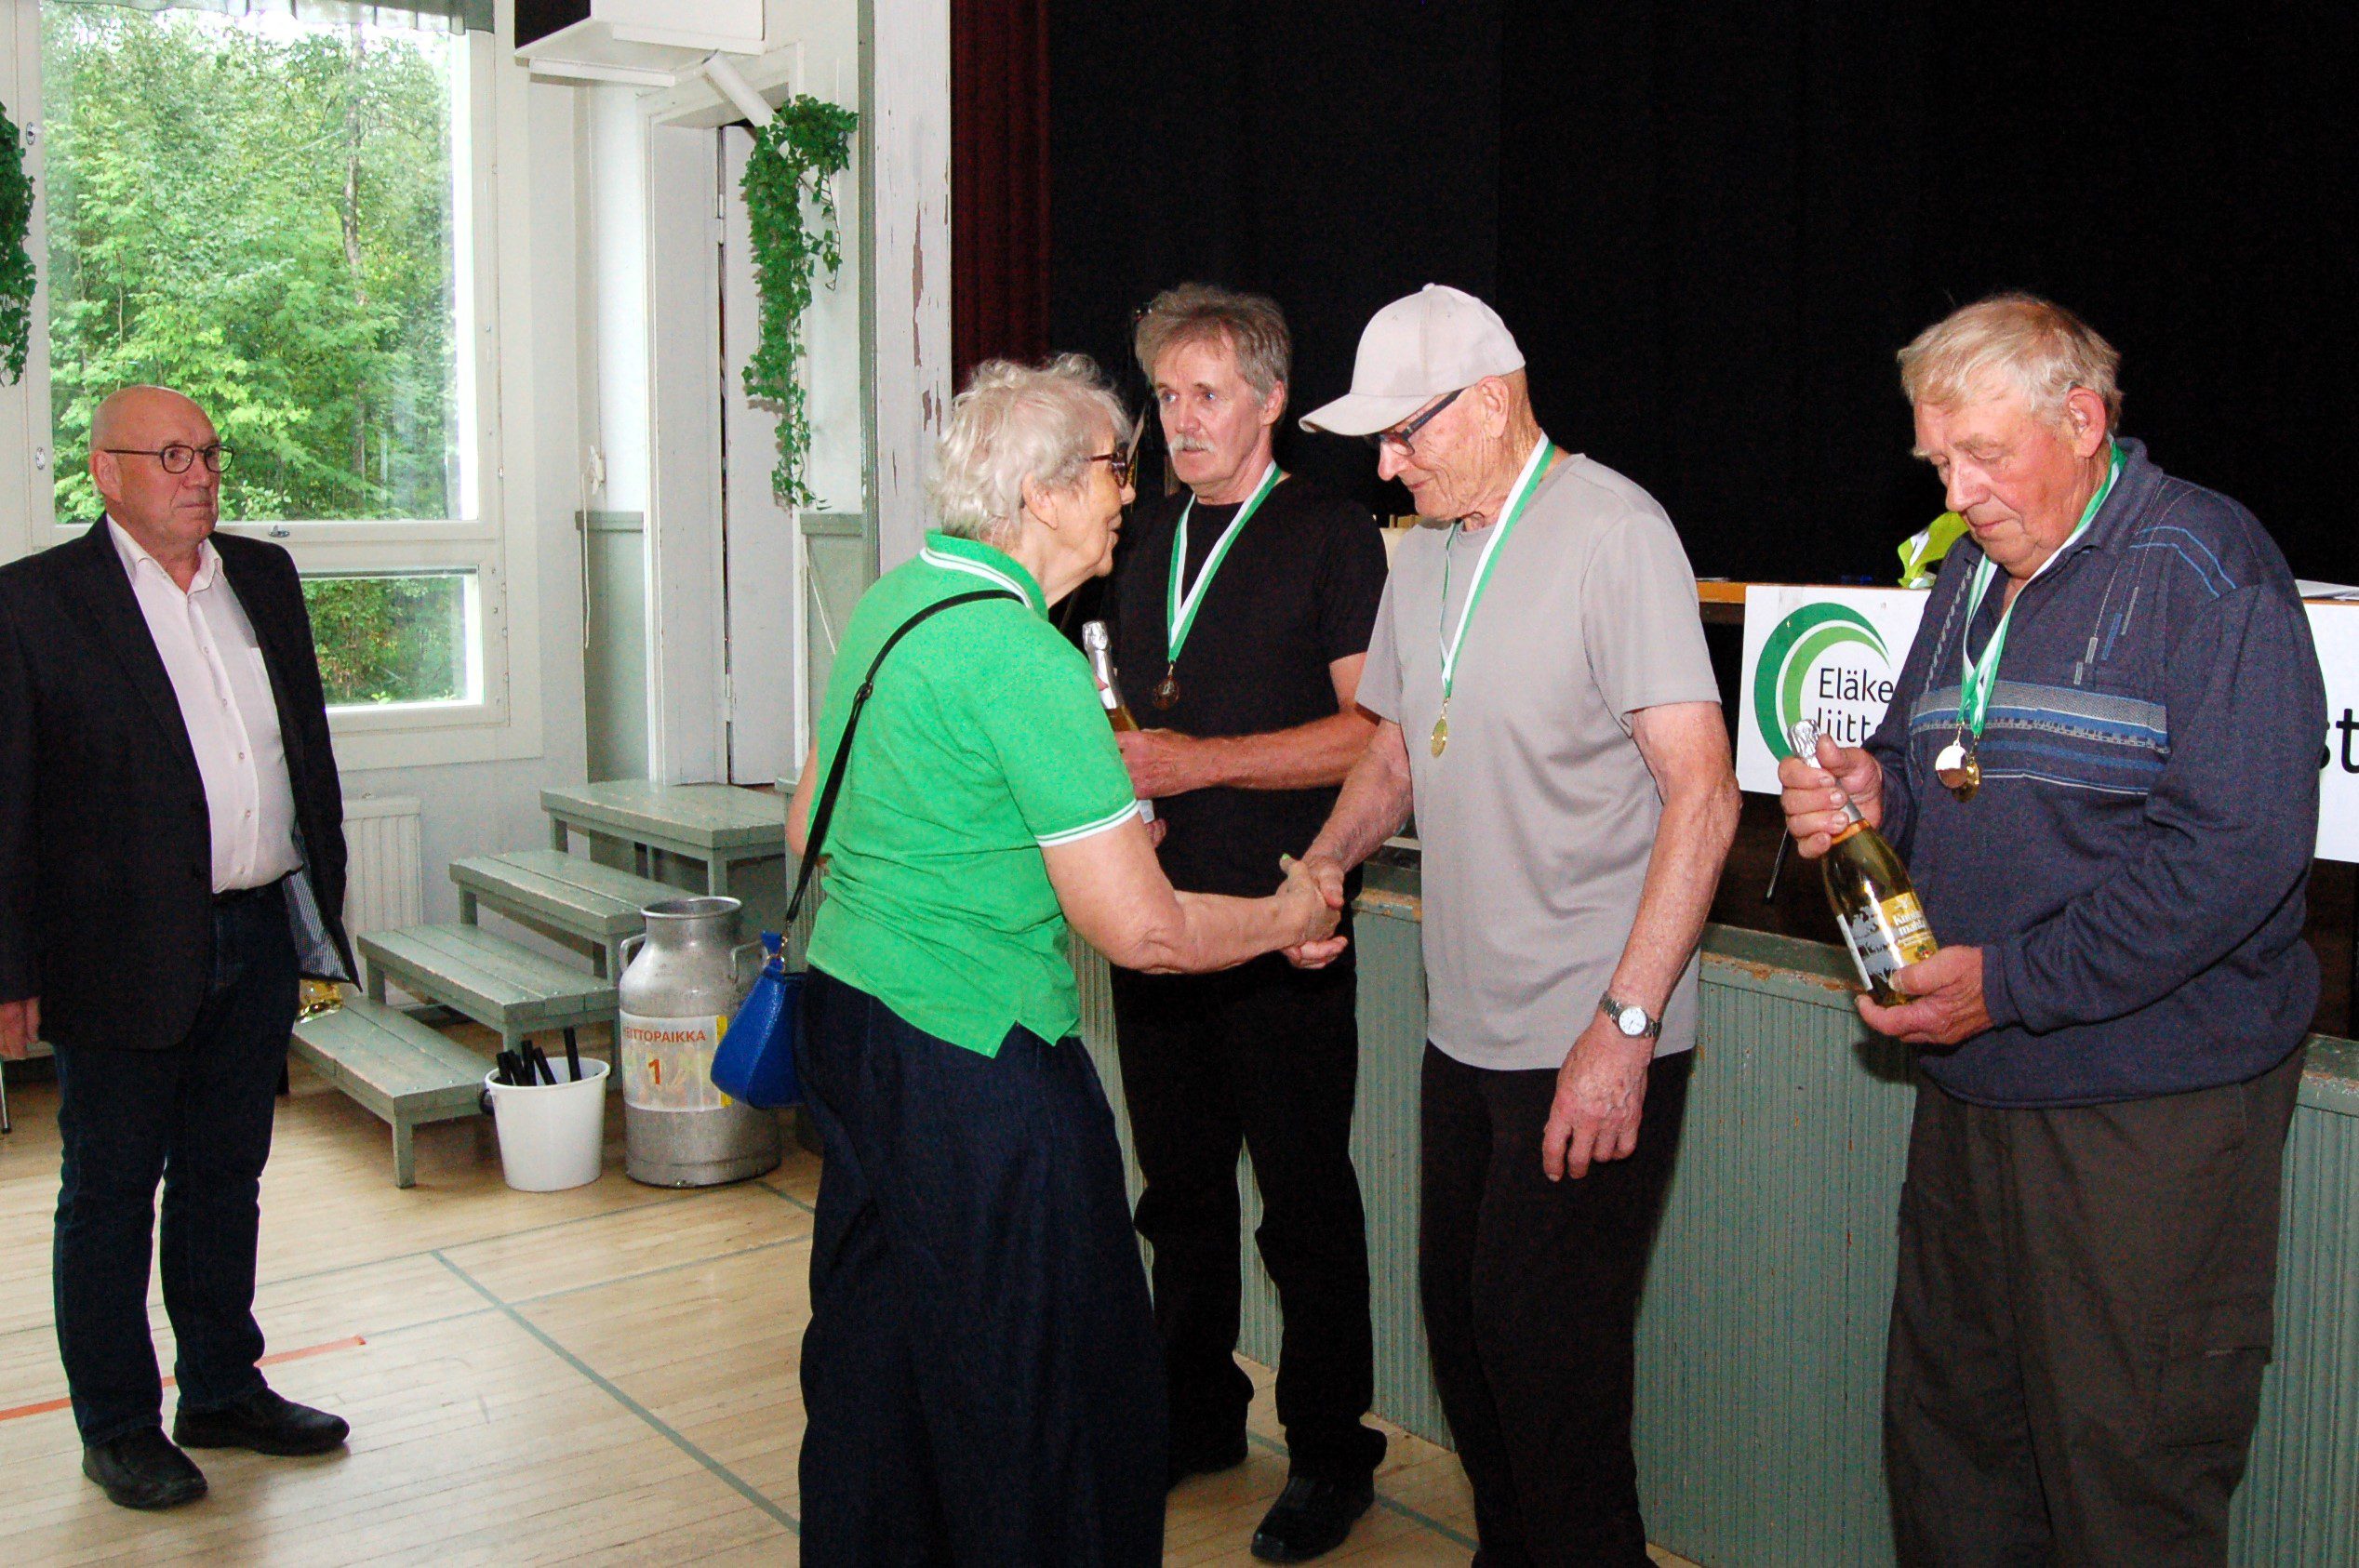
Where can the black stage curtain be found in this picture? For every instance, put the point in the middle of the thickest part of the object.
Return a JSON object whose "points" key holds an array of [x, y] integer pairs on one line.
{"points": [[999, 182], [1711, 223]]}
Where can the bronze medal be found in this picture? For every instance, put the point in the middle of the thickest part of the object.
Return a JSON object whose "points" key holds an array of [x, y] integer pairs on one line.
{"points": [[1167, 690]]}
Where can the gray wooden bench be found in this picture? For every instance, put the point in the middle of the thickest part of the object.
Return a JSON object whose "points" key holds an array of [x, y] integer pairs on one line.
{"points": [[506, 987], [394, 1067], [563, 894]]}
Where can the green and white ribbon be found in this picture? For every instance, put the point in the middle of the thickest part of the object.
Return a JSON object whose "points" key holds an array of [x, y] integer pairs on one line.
{"points": [[1181, 610], [1979, 677], [1517, 497]]}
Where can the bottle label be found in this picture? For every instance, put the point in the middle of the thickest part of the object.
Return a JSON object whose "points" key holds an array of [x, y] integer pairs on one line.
{"points": [[1106, 696], [1887, 936], [667, 1063]]}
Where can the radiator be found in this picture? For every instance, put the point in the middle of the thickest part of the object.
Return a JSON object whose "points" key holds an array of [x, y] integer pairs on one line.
{"points": [[384, 877]]}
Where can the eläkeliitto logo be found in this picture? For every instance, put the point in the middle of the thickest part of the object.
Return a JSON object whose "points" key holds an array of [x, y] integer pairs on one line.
{"points": [[1795, 647]]}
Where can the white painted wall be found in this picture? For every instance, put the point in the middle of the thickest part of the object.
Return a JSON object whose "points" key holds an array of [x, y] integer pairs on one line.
{"points": [[909, 114]]}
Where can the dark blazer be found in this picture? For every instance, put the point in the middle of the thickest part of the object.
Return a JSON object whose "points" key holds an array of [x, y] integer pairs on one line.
{"points": [[106, 848]]}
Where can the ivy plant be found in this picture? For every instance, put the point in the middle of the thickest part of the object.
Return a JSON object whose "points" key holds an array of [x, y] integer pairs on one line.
{"points": [[16, 262], [795, 157]]}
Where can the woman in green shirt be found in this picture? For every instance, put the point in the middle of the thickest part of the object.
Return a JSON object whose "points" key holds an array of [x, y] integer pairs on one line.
{"points": [[980, 1377]]}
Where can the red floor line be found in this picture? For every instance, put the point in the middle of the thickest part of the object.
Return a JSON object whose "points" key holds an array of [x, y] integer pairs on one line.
{"points": [[46, 1406]]}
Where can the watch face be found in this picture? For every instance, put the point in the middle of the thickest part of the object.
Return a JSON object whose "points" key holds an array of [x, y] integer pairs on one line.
{"points": [[1632, 1021]]}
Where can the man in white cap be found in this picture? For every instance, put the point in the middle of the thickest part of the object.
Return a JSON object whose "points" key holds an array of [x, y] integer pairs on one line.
{"points": [[1550, 714]]}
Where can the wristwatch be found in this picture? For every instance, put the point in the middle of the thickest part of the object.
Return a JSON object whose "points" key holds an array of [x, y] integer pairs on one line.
{"points": [[1632, 1020]]}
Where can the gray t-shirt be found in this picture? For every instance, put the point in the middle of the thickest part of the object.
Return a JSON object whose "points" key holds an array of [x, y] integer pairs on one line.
{"points": [[1537, 820]]}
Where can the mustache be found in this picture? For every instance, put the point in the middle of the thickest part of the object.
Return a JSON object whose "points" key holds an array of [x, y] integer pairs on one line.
{"points": [[1189, 443]]}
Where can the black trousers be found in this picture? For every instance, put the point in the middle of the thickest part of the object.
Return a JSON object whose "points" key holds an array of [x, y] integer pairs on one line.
{"points": [[197, 1117], [980, 1377], [1530, 1291], [2079, 1326], [1264, 1057]]}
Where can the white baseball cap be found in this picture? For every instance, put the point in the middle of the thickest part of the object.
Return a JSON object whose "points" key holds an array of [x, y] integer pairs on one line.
{"points": [[1414, 350]]}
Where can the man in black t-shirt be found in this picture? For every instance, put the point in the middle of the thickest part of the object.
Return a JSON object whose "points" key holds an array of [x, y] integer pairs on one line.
{"points": [[1242, 613]]}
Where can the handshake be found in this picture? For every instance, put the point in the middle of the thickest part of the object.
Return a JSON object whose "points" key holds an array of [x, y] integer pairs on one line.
{"points": [[1312, 897]]}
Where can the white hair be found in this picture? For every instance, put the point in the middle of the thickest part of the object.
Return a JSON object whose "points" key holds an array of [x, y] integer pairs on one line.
{"points": [[1017, 422], [2041, 349]]}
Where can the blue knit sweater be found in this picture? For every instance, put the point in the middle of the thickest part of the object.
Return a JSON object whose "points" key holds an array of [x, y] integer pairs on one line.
{"points": [[2135, 864]]}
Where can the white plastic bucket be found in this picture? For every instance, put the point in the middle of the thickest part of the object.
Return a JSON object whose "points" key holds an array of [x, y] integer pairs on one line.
{"points": [[551, 1135]]}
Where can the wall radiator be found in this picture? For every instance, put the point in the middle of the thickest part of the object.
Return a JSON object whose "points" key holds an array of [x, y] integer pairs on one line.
{"points": [[384, 870]]}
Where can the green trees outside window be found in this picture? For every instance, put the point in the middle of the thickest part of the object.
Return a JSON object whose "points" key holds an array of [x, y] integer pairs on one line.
{"points": [[258, 211]]}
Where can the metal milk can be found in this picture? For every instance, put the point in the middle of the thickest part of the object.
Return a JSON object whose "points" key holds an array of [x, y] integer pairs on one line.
{"points": [[681, 985]]}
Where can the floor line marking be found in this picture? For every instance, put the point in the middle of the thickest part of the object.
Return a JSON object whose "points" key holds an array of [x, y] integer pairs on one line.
{"points": [[1393, 1504], [44, 1406], [670, 1434]]}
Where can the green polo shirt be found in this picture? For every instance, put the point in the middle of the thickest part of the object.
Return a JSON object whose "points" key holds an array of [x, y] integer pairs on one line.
{"points": [[983, 743]]}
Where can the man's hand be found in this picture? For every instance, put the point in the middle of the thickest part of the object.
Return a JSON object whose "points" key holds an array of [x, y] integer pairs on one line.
{"points": [[1328, 877], [1601, 1091], [1164, 762], [19, 1027], [1814, 792], [1948, 1005]]}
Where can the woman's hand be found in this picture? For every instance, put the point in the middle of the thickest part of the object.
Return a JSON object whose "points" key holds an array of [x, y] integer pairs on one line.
{"points": [[1309, 915]]}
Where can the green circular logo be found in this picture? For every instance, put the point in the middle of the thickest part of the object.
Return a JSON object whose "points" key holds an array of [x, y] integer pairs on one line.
{"points": [[1794, 645]]}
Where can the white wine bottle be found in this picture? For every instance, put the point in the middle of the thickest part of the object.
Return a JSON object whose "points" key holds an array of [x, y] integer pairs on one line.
{"points": [[1875, 904], [1095, 642]]}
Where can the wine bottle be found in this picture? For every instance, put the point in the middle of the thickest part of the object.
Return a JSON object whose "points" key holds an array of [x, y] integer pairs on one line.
{"points": [[1095, 642], [1102, 664], [1875, 904]]}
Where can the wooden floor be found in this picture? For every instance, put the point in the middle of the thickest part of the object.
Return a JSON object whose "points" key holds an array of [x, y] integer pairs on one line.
{"points": [[600, 1376]]}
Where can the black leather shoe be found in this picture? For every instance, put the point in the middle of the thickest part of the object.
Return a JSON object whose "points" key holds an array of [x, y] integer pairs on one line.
{"points": [[1311, 1518], [1203, 1459], [143, 1471], [263, 1422]]}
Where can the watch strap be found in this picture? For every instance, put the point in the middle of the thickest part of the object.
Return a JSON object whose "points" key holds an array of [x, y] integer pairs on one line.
{"points": [[1614, 1009]]}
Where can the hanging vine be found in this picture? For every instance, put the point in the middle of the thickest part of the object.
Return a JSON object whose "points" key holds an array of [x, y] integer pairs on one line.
{"points": [[796, 156], [16, 262]]}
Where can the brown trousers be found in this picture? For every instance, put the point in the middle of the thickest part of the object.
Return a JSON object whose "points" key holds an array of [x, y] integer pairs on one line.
{"points": [[2079, 1327]]}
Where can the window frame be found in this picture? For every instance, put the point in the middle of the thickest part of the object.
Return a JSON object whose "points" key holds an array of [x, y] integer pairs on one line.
{"points": [[497, 725]]}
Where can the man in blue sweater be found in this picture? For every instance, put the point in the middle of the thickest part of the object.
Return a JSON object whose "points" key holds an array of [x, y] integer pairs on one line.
{"points": [[2101, 765]]}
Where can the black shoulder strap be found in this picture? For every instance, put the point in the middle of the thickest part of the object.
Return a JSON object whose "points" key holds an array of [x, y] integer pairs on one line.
{"points": [[824, 808]]}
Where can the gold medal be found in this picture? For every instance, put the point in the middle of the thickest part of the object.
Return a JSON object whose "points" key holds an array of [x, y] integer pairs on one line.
{"points": [[1167, 690], [1958, 769], [1441, 734]]}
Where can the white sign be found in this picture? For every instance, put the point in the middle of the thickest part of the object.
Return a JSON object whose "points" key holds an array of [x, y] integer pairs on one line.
{"points": [[1831, 654], [2335, 628]]}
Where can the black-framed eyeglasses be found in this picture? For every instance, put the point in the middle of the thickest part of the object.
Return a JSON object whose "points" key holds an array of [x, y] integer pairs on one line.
{"points": [[178, 457], [1400, 437]]}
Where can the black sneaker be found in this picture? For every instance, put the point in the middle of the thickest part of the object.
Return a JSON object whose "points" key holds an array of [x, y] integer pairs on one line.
{"points": [[1203, 1459], [262, 1421], [1312, 1517], [143, 1471]]}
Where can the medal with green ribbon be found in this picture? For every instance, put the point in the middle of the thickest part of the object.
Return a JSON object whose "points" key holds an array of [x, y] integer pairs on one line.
{"points": [[1517, 497], [1957, 766], [1180, 608]]}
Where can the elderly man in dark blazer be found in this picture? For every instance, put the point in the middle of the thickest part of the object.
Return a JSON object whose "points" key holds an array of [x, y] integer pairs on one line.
{"points": [[171, 862]]}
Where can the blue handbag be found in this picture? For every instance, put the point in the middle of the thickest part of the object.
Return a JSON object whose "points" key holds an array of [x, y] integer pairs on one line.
{"points": [[755, 1062]]}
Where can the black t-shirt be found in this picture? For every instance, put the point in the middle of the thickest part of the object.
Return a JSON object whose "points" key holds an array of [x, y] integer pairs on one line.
{"points": [[1296, 592]]}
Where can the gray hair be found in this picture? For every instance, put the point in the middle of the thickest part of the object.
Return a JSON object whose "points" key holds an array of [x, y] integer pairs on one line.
{"points": [[1017, 422], [2041, 349], [1251, 325]]}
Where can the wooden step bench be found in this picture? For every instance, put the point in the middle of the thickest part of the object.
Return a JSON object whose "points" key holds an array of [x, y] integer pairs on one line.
{"points": [[565, 893], [506, 987], [395, 1067]]}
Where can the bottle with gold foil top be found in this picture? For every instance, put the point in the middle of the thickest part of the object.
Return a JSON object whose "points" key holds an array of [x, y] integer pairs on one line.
{"points": [[1095, 642], [1875, 904]]}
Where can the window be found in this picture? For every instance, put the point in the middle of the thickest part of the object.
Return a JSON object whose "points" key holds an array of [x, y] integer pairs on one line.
{"points": [[278, 213]]}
